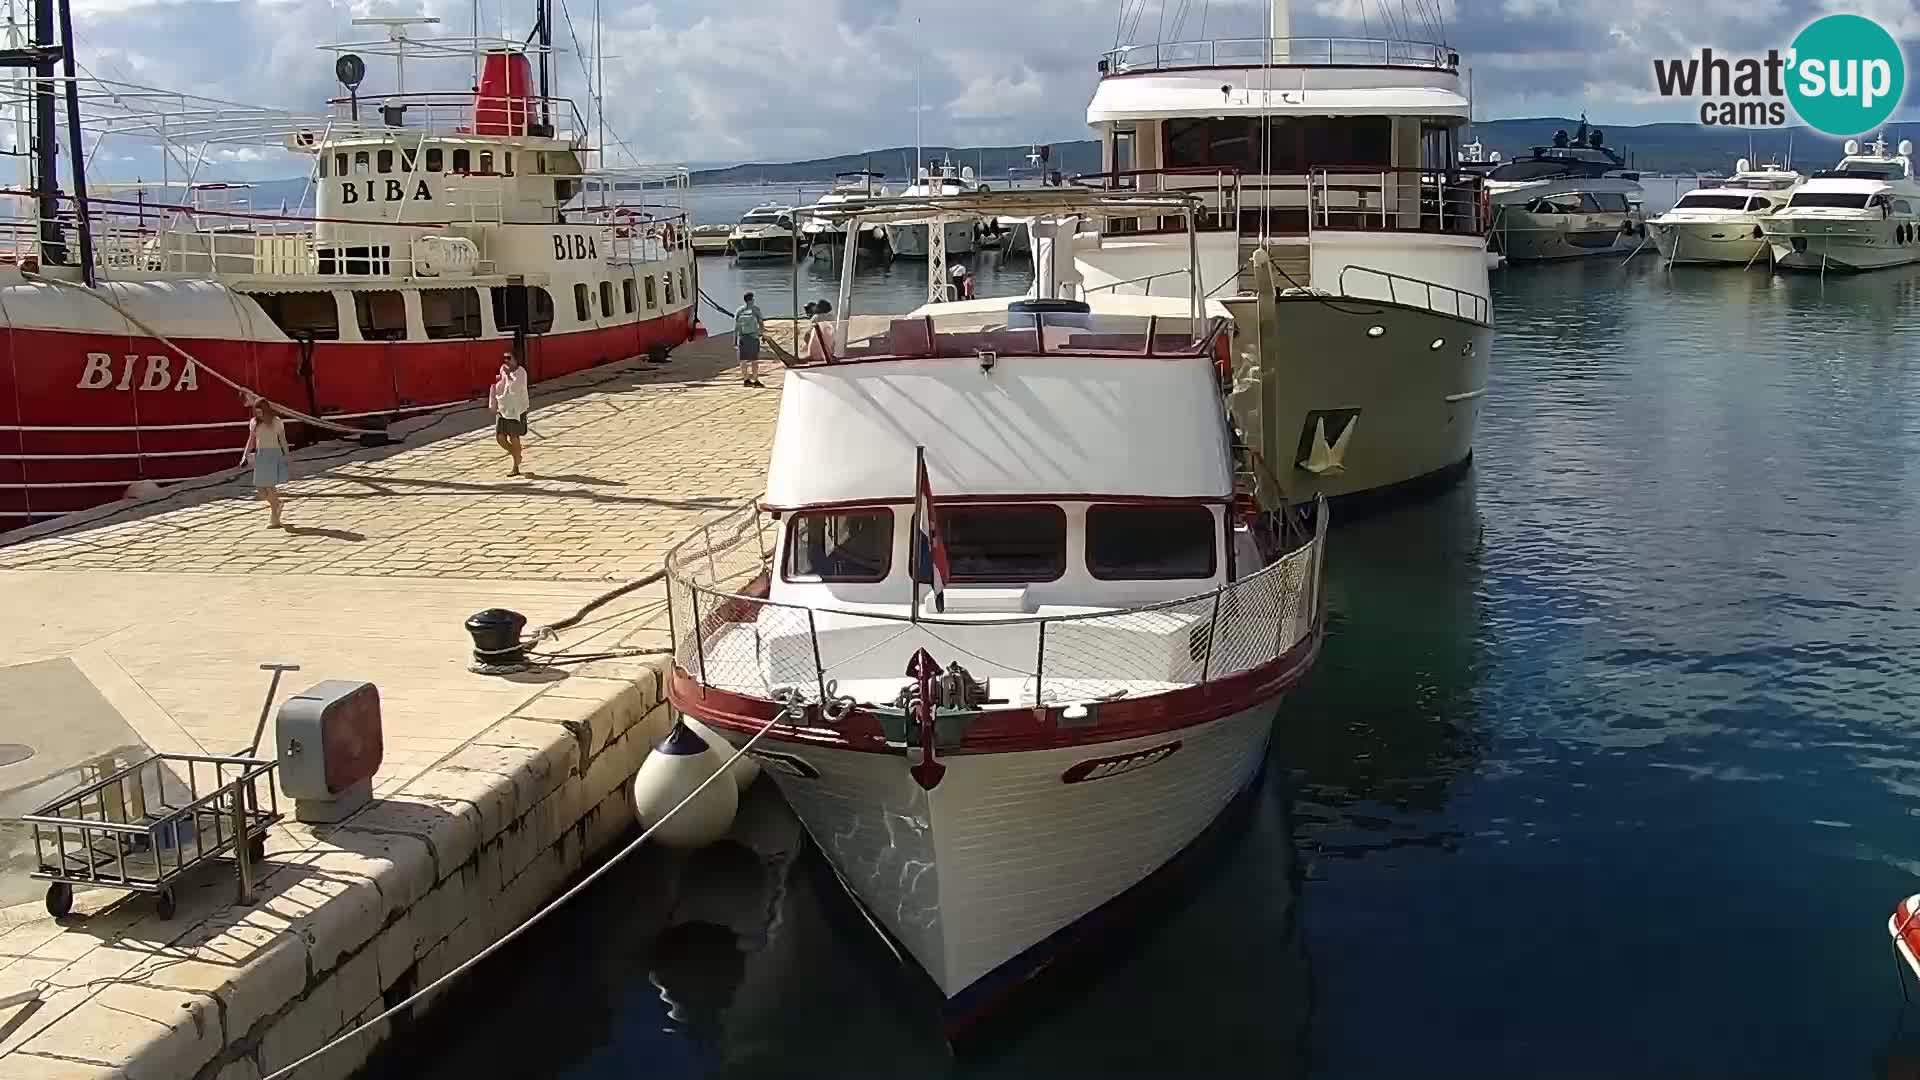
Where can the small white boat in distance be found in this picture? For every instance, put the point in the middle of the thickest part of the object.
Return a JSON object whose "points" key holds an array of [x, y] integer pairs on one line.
{"points": [[942, 178], [1719, 222], [823, 238], [764, 232], [1863, 214], [1003, 629]]}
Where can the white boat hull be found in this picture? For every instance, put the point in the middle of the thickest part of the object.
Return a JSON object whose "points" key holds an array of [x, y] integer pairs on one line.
{"points": [[1006, 851], [910, 241], [1853, 244], [1738, 242]]}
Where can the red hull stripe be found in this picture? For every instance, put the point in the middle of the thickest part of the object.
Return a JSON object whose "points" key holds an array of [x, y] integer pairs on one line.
{"points": [[1012, 730], [70, 439]]}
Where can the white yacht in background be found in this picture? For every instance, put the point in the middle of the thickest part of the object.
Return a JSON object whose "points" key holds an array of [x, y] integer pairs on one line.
{"points": [[764, 232], [1565, 201], [1719, 222], [1861, 215], [1364, 332], [824, 237], [941, 178]]}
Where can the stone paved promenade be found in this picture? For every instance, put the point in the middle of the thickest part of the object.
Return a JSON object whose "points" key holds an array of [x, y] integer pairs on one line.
{"points": [[493, 789]]}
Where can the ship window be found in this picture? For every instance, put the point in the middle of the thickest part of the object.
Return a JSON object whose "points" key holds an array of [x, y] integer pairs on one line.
{"points": [[407, 160], [462, 161], [582, 307], [1902, 206], [1150, 543], [507, 168], [667, 283], [1609, 202], [382, 315], [1697, 201], [362, 163], [486, 161], [1844, 200], [684, 292], [653, 301], [434, 157], [626, 295], [303, 314], [340, 164], [1005, 543], [841, 545], [1225, 141], [450, 313], [386, 161], [510, 307], [606, 298]]}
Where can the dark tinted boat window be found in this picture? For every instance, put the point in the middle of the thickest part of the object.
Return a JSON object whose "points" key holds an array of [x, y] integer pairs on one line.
{"points": [[450, 313], [1845, 200], [302, 314], [382, 315], [841, 545], [1005, 543], [1146, 543]]}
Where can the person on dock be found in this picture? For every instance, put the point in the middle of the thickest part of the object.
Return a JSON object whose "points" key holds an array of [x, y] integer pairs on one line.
{"points": [[509, 401], [267, 446], [820, 331], [747, 324]]}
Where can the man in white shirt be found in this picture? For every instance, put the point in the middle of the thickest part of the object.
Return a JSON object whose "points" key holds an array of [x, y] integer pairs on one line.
{"points": [[510, 401]]}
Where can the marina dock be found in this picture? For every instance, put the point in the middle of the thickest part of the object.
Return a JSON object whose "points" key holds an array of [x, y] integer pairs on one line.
{"points": [[493, 791]]}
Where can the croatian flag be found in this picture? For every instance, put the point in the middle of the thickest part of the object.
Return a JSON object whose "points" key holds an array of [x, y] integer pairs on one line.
{"points": [[930, 552]]}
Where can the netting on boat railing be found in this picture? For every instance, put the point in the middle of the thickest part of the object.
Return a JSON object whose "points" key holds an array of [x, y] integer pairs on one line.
{"points": [[757, 647]]}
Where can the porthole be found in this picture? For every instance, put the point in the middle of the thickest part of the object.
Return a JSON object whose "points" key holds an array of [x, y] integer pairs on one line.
{"points": [[1438, 344], [1376, 331], [1466, 348]]}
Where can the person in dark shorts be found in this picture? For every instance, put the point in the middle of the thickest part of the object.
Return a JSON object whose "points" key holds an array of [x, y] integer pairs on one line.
{"points": [[747, 323], [510, 401]]}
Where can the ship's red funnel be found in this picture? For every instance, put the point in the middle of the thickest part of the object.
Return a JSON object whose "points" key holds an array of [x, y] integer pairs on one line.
{"points": [[503, 105]]}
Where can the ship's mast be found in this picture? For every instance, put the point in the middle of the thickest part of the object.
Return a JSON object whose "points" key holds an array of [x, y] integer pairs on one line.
{"points": [[53, 246]]}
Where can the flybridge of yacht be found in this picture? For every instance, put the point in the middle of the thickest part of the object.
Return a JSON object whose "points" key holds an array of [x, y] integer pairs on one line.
{"points": [[1278, 52]]}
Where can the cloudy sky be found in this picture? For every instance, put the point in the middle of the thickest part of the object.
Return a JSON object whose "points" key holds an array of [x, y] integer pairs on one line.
{"points": [[771, 80]]}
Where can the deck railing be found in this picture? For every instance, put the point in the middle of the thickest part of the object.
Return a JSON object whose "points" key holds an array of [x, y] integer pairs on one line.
{"points": [[451, 115], [728, 640], [1371, 284], [134, 238], [1288, 51], [1331, 198]]}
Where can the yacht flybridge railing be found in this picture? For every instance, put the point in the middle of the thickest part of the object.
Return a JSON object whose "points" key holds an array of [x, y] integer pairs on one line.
{"points": [[725, 638], [1288, 51], [1354, 198], [452, 116]]}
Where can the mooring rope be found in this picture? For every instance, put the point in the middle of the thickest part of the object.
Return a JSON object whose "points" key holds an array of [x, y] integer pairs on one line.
{"points": [[787, 359], [468, 964]]}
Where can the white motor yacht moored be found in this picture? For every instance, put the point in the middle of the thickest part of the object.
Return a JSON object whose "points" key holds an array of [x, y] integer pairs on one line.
{"points": [[764, 232], [1719, 222], [1004, 692], [1863, 214]]}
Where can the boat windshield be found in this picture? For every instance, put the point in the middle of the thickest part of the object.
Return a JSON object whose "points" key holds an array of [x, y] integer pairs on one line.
{"points": [[1843, 200], [1014, 333], [1696, 201], [762, 217]]}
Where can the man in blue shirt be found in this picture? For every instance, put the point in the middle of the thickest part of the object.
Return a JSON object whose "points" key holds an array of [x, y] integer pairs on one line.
{"points": [[746, 330]]}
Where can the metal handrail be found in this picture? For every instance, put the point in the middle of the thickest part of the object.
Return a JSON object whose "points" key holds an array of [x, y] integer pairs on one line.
{"points": [[680, 559], [1478, 306], [1286, 51]]}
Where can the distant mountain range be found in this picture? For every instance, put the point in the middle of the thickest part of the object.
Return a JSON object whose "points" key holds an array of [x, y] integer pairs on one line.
{"points": [[1655, 148], [1680, 148]]}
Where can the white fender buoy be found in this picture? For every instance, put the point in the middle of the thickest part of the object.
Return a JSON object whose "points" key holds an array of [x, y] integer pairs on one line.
{"points": [[678, 764], [745, 769]]}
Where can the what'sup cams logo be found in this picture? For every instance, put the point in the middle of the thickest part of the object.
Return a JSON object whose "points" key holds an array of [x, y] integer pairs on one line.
{"points": [[1843, 75]]}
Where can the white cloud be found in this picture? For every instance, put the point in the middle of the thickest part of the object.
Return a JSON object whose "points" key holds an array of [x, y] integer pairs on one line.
{"points": [[774, 80]]}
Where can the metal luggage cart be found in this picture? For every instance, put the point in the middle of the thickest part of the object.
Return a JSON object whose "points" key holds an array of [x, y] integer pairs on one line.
{"points": [[144, 826]]}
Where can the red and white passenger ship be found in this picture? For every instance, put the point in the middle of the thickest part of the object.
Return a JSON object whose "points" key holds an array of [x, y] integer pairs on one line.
{"points": [[447, 229], [1117, 627]]}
